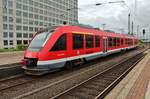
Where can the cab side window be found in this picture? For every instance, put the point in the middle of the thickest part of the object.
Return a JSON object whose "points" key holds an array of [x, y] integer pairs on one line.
{"points": [[60, 44]]}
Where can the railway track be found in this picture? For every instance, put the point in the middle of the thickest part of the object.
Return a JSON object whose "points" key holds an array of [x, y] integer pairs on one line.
{"points": [[15, 81], [8, 70], [62, 83], [99, 85], [19, 84], [20, 79]]}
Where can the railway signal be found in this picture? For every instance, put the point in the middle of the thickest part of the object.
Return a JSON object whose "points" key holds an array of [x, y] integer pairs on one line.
{"points": [[144, 34], [143, 31]]}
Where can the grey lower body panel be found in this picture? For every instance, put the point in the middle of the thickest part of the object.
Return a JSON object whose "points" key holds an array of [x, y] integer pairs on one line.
{"points": [[42, 69], [95, 56], [56, 66], [51, 66]]}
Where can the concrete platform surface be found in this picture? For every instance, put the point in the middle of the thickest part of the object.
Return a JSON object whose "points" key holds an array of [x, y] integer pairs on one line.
{"points": [[11, 57], [136, 85]]}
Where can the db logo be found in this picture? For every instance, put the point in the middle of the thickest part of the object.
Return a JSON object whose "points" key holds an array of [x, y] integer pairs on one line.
{"points": [[78, 52]]}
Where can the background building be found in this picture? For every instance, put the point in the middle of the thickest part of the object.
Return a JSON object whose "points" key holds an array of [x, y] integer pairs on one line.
{"points": [[20, 18]]}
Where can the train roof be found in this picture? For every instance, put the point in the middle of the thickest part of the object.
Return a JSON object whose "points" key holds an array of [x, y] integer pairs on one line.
{"points": [[47, 29], [80, 28]]}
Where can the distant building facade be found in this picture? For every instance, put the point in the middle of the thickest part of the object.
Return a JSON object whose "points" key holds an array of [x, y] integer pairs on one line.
{"points": [[20, 18]]}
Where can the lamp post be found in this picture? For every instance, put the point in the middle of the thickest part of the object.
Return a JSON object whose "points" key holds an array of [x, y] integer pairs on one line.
{"points": [[97, 4], [132, 28], [103, 25], [129, 23], [122, 1], [138, 31]]}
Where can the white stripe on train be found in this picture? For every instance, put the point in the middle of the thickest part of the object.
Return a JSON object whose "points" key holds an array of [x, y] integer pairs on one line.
{"points": [[80, 56]]}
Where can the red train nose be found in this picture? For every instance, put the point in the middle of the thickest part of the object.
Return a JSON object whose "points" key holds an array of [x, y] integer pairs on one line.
{"points": [[23, 61], [29, 54]]}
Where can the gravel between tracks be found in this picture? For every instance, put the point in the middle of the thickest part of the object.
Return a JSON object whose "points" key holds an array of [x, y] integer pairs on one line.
{"points": [[12, 82], [19, 90], [94, 86]]}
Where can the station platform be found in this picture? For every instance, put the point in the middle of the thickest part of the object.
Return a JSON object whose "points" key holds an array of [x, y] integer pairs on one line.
{"points": [[136, 85], [11, 57]]}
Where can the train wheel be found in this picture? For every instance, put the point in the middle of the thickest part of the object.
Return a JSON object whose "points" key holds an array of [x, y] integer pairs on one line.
{"points": [[69, 65], [84, 60]]}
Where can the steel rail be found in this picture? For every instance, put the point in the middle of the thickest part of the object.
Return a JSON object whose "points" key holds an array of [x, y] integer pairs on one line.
{"points": [[105, 91]]}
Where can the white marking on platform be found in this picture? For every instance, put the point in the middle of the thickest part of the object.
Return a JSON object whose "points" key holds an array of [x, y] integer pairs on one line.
{"points": [[147, 95]]}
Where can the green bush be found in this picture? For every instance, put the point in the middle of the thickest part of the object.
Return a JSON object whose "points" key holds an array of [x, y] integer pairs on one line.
{"points": [[8, 50], [2, 50], [21, 47]]}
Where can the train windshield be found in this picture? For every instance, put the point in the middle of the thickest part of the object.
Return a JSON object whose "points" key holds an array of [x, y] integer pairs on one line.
{"points": [[39, 41]]}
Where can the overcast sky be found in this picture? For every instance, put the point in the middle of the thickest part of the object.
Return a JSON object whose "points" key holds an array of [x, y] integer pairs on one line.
{"points": [[115, 16]]}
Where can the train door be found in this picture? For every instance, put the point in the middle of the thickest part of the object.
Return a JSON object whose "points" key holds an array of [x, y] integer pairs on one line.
{"points": [[105, 44], [76, 45]]}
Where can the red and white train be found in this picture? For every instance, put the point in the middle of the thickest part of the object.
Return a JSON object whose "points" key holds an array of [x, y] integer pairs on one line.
{"points": [[63, 46]]}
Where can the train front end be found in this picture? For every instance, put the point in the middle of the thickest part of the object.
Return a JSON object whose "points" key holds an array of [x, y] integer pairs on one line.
{"points": [[33, 54]]}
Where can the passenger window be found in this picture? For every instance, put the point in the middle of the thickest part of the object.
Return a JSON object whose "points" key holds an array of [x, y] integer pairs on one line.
{"points": [[77, 41], [97, 41], [114, 42], [122, 41], [60, 44], [131, 41], [126, 41], [118, 41], [110, 42], [89, 41]]}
